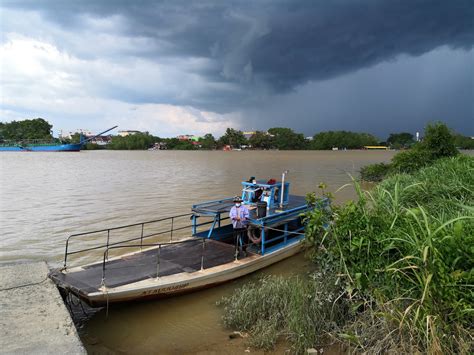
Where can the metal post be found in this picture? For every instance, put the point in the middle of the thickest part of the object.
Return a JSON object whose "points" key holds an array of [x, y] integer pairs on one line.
{"points": [[283, 187], [286, 232], [219, 221], [108, 238], [158, 262], [65, 254], [141, 237], [194, 224], [172, 226], [212, 228], [202, 253], [263, 239], [106, 256]]}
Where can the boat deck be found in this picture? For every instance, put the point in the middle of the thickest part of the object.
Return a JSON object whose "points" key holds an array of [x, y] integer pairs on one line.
{"points": [[175, 258]]}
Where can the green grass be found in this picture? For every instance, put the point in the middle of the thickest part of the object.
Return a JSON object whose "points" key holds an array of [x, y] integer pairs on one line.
{"points": [[398, 271], [407, 248], [300, 310]]}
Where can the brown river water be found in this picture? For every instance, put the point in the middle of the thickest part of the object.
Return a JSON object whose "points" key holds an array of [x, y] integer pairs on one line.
{"points": [[44, 197]]}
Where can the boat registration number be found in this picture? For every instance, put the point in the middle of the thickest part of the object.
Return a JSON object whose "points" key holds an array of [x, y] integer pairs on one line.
{"points": [[165, 289]]}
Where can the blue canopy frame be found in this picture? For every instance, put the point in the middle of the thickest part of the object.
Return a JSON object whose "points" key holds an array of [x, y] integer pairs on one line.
{"points": [[286, 220]]}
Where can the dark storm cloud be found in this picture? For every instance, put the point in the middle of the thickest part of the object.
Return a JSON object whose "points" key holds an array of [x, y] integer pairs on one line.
{"points": [[281, 44], [285, 62]]}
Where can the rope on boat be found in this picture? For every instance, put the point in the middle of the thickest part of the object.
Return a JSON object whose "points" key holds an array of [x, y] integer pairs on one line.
{"points": [[106, 297]]}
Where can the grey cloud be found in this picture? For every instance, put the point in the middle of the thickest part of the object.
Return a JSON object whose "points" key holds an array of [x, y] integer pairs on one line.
{"points": [[282, 44], [268, 49]]}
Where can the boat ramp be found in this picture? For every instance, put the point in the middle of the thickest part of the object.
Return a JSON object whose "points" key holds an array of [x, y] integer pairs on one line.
{"points": [[33, 316]]}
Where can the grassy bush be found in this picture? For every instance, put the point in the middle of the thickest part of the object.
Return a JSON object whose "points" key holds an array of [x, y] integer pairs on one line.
{"points": [[374, 172], [301, 310], [406, 251], [411, 160], [396, 271], [438, 143]]}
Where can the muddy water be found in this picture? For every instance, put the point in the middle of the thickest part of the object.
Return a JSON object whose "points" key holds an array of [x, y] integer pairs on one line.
{"points": [[46, 196]]}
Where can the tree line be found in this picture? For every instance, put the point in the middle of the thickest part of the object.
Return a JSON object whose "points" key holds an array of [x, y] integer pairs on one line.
{"points": [[37, 128], [275, 138]]}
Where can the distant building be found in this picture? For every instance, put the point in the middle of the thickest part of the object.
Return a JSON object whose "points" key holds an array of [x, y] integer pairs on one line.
{"points": [[188, 137], [249, 134], [127, 133], [68, 135], [102, 140]]}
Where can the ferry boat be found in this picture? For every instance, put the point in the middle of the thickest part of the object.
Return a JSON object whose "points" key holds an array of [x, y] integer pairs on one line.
{"points": [[210, 252], [42, 145]]}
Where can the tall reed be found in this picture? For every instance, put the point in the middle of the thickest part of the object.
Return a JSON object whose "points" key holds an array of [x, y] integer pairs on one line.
{"points": [[407, 247], [396, 271]]}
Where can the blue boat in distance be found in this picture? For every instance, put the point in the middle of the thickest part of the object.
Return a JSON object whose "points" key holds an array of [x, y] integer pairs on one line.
{"points": [[38, 145]]}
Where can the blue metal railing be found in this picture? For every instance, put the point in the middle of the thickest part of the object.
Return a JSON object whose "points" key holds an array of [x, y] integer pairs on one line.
{"points": [[108, 242], [192, 226]]}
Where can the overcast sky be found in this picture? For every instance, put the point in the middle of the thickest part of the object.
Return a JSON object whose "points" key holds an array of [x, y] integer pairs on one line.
{"points": [[174, 67]]}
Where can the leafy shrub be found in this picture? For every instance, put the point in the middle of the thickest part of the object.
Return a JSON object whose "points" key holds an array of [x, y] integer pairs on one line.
{"points": [[438, 143], [406, 249], [411, 160], [138, 141], [374, 172]]}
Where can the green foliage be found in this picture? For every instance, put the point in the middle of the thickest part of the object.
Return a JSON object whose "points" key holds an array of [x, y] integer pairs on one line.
{"points": [[233, 138], [342, 139], [375, 172], [411, 160], [208, 142], [406, 250], [286, 139], [438, 143], [261, 140], [175, 143], [75, 138], [138, 141], [463, 142], [37, 128], [92, 146], [401, 140], [302, 310]]}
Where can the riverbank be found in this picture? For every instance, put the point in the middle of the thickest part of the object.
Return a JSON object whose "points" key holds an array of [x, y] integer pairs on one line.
{"points": [[33, 317], [395, 269]]}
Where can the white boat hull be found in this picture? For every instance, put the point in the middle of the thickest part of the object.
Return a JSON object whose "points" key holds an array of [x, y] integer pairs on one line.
{"points": [[171, 285]]}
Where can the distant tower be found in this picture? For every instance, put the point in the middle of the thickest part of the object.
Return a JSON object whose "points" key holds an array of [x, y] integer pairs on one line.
{"points": [[417, 136]]}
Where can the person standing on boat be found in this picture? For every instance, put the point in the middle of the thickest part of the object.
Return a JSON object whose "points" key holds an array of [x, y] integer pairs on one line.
{"points": [[239, 215]]}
